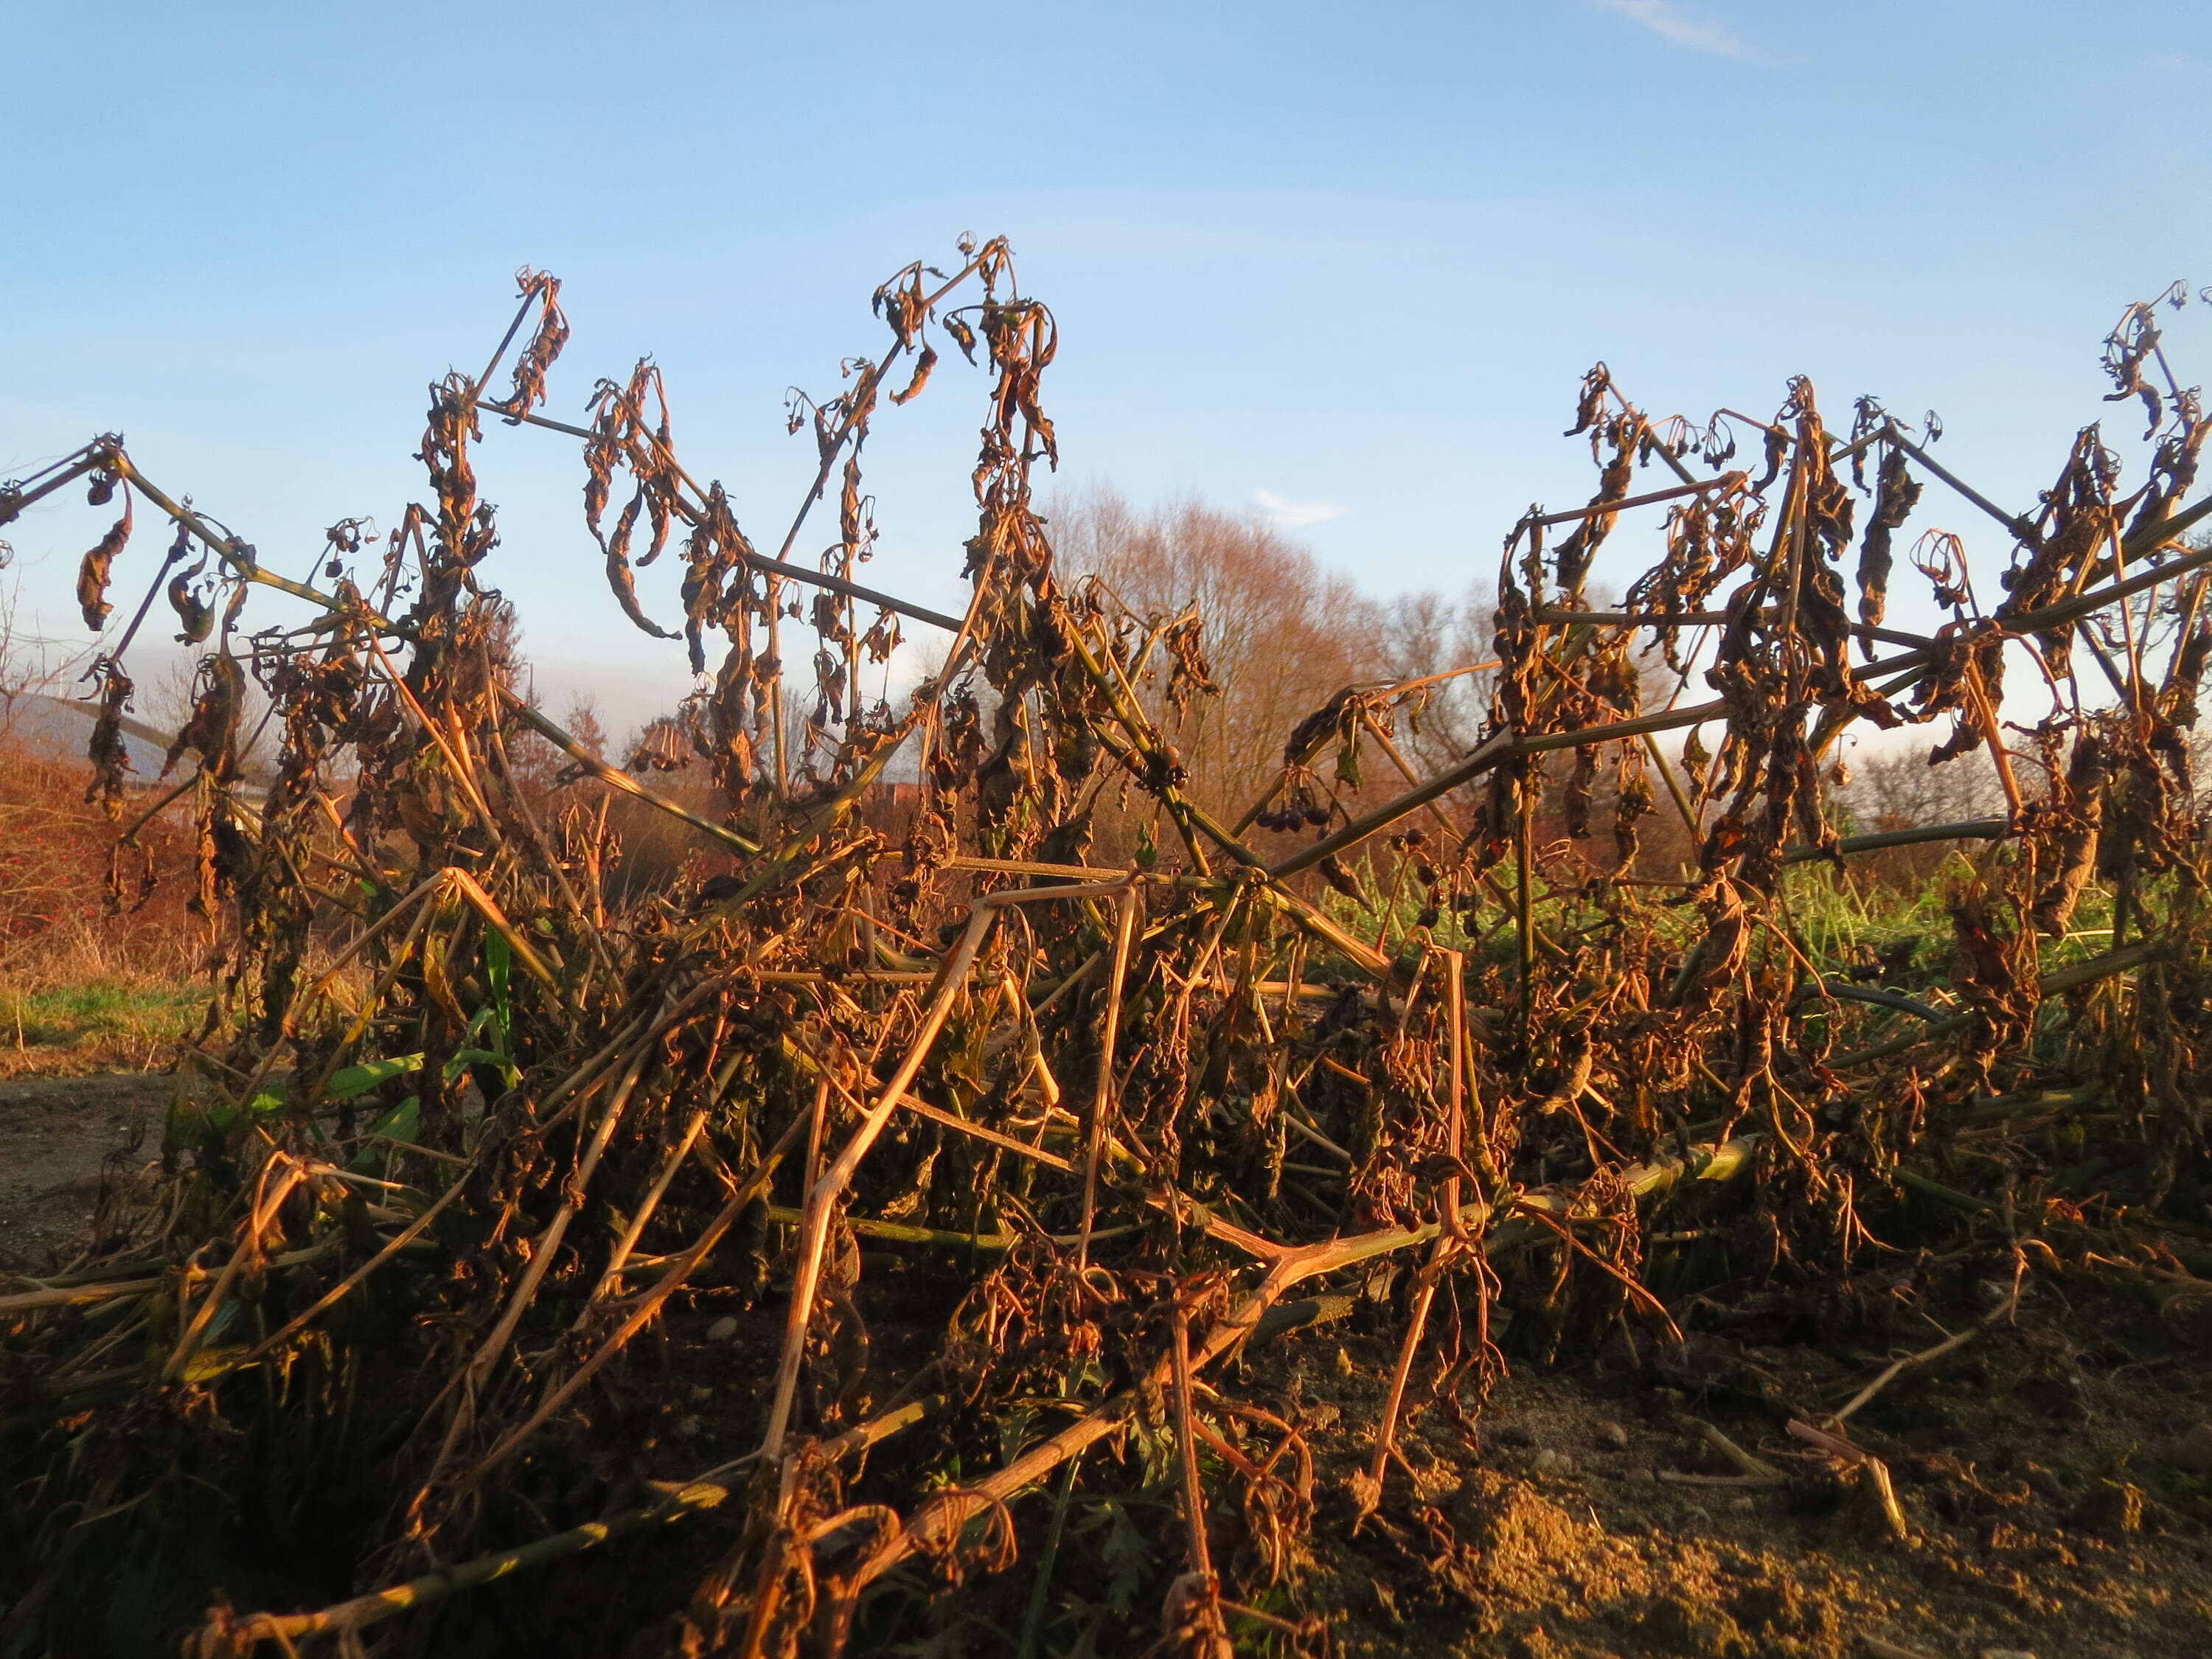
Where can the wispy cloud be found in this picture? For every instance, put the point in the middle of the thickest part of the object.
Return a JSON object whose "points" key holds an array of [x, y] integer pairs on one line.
{"points": [[1670, 23], [1290, 514]]}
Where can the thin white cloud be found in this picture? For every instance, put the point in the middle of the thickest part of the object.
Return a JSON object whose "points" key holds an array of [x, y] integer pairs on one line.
{"points": [[1290, 514], [1670, 23]]}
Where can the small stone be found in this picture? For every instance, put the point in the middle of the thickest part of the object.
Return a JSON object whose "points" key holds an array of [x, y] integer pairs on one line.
{"points": [[1319, 1413], [1741, 1506], [2193, 1451], [1513, 1434], [687, 1428], [1344, 1365], [1612, 1436], [1644, 1477], [722, 1329], [1548, 1461], [2003, 1653]]}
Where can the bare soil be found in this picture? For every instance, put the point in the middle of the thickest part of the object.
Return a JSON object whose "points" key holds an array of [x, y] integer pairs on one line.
{"points": [[2056, 1505], [56, 1135], [2055, 1473]]}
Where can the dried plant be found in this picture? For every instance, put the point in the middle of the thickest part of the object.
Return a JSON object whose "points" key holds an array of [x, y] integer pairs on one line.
{"points": [[993, 1154]]}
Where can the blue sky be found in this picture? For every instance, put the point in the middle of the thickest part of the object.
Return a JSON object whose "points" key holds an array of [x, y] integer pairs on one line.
{"points": [[1341, 264]]}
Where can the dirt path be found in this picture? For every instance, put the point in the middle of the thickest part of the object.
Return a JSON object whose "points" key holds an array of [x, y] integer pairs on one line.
{"points": [[54, 1134]]}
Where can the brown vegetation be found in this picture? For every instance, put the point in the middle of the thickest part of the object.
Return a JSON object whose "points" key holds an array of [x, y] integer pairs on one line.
{"points": [[1281, 638], [97, 952], [888, 1212]]}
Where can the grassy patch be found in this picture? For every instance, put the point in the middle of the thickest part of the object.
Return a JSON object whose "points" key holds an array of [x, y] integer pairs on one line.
{"points": [[96, 1026]]}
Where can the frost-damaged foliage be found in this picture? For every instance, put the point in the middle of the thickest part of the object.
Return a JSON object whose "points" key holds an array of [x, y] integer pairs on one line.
{"points": [[989, 1155]]}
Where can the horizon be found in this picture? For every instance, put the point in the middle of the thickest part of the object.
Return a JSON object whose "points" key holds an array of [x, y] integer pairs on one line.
{"points": [[1361, 319]]}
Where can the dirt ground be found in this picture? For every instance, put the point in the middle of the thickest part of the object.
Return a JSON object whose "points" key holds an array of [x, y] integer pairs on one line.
{"points": [[55, 1132], [2055, 1503], [2054, 1475]]}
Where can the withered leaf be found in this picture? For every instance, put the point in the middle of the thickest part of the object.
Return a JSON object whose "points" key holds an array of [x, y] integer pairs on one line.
{"points": [[195, 616], [91, 575], [110, 758], [212, 731]]}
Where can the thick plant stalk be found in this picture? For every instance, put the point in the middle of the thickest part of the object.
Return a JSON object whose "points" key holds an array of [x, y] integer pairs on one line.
{"points": [[1201, 1585], [81, 1295], [240, 558], [920, 1108], [1920, 835], [1127, 910], [1897, 1368], [1726, 481], [1885, 1490], [461, 771], [1502, 745], [289, 1174], [1455, 968], [1386, 1428], [2123, 960], [823, 1196], [616, 1261], [471, 889], [351, 1282], [649, 1306], [227, 1637], [469, 1382]]}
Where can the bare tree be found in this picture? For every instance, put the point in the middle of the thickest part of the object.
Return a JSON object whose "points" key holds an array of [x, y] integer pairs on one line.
{"points": [[1281, 634], [1900, 790], [1427, 635]]}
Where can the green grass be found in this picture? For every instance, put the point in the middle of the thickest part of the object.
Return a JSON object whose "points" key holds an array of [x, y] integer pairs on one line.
{"points": [[1842, 921], [99, 1025]]}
